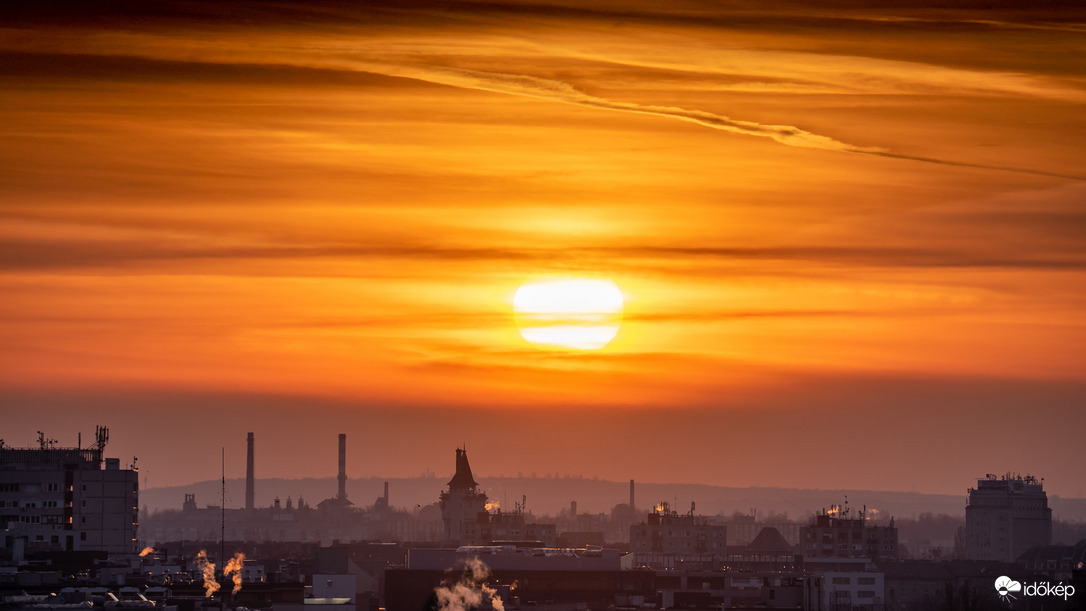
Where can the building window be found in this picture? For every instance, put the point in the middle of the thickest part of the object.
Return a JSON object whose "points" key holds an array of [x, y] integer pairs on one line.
{"points": [[842, 581], [866, 581]]}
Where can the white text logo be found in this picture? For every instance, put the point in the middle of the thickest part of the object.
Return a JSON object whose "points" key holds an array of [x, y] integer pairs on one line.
{"points": [[1007, 588]]}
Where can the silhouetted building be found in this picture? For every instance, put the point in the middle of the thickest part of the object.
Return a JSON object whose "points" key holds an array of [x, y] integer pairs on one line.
{"points": [[667, 539], [835, 535], [742, 529], [69, 499], [467, 521], [915, 585], [1005, 517], [462, 503], [1057, 562], [769, 551], [687, 589]]}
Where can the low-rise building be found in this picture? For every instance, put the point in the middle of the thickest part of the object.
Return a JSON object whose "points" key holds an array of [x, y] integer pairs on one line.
{"points": [[835, 534], [665, 531]]}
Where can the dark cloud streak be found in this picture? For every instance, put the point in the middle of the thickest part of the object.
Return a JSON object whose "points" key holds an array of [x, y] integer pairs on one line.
{"points": [[38, 255]]}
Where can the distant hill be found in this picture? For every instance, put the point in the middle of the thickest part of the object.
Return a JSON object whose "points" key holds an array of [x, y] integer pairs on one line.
{"points": [[549, 496]]}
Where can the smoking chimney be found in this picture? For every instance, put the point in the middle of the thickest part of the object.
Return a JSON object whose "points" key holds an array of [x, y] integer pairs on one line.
{"points": [[386, 494], [342, 466], [631, 494], [250, 482]]}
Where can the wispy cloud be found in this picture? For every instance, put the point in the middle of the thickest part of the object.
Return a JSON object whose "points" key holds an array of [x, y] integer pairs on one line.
{"points": [[557, 91]]}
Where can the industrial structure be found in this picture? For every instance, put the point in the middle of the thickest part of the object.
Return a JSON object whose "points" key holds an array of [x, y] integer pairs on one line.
{"points": [[250, 476], [67, 499], [293, 519], [339, 502]]}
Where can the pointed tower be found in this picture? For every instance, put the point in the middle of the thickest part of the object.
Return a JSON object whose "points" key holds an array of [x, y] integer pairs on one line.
{"points": [[463, 507]]}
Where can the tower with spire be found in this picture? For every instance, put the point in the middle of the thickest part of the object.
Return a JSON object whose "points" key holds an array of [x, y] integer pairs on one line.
{"points": [[463, 506]]}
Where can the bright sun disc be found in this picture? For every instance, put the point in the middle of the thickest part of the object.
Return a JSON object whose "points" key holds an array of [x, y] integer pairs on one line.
{"points": [[578, 314]]}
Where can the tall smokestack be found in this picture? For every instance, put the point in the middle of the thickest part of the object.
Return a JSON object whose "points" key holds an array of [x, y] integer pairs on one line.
{"points": [[342, 466], [386, 494], [250, 481], [631, 494], [572, 509]]}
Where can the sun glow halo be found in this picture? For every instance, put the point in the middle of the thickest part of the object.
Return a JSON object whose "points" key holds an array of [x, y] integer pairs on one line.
{"points": [[571, 314]]}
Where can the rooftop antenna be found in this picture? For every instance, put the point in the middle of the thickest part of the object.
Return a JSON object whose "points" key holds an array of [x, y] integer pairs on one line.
{"points": [[101, 437], [44, 442]]}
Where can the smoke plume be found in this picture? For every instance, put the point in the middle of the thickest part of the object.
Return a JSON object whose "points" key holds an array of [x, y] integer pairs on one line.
{"points": [[233, 570], [470, 591], [207, 568]]}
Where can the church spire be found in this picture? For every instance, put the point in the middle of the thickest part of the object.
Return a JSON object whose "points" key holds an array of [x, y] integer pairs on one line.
{"points": [[463, 478]]}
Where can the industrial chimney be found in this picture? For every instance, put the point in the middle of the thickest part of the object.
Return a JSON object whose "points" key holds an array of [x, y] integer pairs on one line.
{"points": [[386, 494], [631, 494], [250, 482], [342, 467]]}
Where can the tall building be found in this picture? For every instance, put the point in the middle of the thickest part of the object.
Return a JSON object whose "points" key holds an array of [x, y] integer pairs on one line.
{"points": [[1005, 517], [836, 535], [462, 503], [67, 498], [467, 521]]}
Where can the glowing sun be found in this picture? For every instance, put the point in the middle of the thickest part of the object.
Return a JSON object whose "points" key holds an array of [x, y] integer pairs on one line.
{"points": [[572, 314]]}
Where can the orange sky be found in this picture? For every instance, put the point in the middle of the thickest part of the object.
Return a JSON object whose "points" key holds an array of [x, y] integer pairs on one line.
{"points": [[840, 233]]}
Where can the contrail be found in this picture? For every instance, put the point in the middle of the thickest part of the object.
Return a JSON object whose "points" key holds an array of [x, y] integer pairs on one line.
{"points": [[558, 91], [962, 164]]}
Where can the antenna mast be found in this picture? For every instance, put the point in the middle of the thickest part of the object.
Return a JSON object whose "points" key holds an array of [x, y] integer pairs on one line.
{"points": [[222, 526]]}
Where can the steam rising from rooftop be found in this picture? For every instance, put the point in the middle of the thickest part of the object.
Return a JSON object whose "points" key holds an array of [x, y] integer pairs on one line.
{"points": [[207, 570], [470, 591], [233, 570]]}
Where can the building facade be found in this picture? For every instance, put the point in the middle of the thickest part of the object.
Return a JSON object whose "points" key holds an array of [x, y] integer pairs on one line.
{"points": [[839, 536], [665, 531], [67, 499], [1005, 517]]}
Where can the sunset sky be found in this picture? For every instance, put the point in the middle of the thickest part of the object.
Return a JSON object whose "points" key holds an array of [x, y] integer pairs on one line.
{"points": [[851, 239]]}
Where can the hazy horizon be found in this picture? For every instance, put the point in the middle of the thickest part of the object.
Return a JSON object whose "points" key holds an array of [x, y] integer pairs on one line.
{"points": [[552, 495]]}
